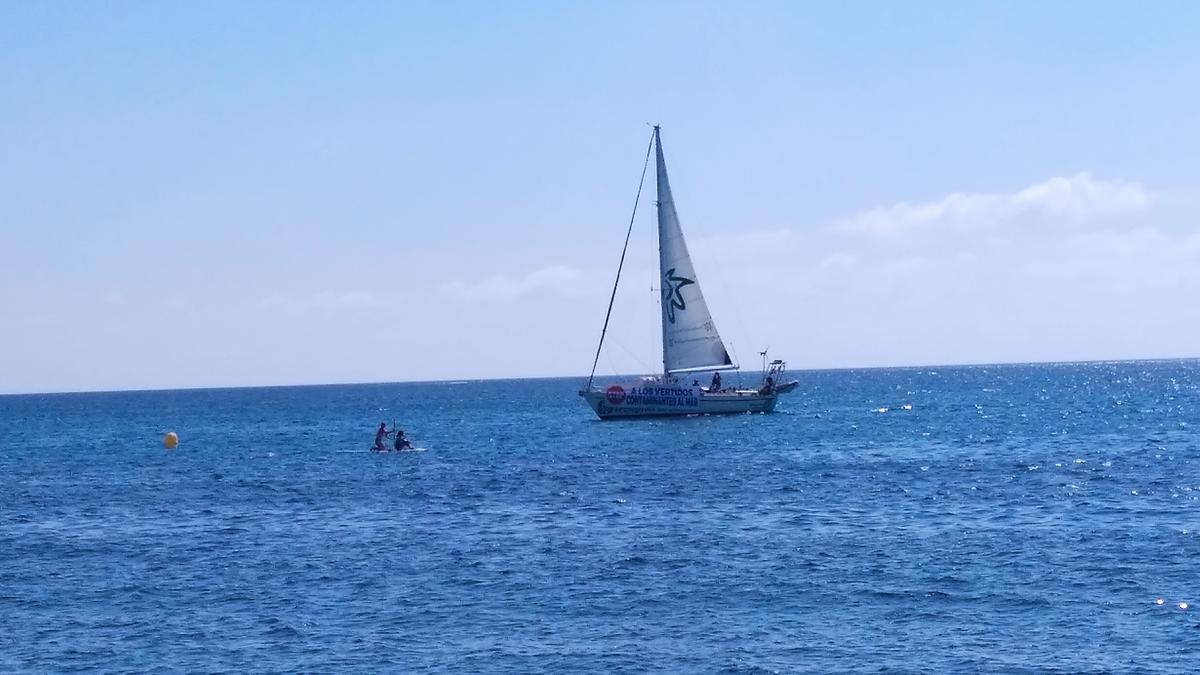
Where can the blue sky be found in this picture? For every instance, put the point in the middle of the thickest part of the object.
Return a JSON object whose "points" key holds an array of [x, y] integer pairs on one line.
{"points": [[218, 194]]}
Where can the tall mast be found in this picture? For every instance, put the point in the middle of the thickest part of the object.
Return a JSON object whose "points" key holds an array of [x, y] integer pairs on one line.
{"points": [[664, 200]]}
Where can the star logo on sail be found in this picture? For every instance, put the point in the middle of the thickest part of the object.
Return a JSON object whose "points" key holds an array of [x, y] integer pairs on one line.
{"points": [[672, 298]]}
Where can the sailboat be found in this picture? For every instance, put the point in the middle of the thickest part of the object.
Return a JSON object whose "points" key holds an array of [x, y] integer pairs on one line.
{"points": [[690, 341]]}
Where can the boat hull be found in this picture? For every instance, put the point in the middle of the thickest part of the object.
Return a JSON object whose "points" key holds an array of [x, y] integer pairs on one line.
{"points": [[671, 402], [787, 386]]}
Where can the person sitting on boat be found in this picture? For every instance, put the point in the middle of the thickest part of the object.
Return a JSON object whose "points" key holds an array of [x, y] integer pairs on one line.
{"points": [[716, 382], [768, 386], [380, 435], [402, 443]]}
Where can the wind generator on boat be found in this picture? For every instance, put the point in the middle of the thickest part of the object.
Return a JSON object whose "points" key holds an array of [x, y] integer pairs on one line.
{"points": [[690, 342]]}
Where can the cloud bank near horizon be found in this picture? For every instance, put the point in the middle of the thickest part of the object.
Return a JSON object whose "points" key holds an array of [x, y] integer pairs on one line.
{"points": [[1059, 199], [1068, 268]]}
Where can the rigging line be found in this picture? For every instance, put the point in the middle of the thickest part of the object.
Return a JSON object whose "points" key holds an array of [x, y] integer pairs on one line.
{"points": [[631, 353], [621, 264]]}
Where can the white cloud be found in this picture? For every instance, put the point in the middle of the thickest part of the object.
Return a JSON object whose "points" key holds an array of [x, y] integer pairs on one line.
{"points": [[1075, 198], [350, 300], [334, 301], [749, 245], [558, 280]]}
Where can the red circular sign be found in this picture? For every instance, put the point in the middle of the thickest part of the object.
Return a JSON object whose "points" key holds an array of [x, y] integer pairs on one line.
{"points": [[615, 395]]}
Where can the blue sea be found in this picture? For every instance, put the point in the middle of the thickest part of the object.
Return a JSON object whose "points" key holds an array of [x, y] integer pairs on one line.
{"points": [[1015, 519]]}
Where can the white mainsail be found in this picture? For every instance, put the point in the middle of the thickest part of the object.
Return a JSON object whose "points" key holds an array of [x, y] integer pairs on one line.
{"points": [[690, 339]]}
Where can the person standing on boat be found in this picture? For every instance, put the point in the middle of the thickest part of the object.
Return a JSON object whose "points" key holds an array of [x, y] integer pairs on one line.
{"points": [[716, 382], [380, 436]]}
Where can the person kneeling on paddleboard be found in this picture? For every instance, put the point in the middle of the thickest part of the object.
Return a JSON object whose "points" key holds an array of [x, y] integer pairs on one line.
{"points": [[380, 436], [402, 442]]}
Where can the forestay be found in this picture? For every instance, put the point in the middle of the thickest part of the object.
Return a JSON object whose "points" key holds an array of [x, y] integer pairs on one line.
{"points": [[690, 338]]}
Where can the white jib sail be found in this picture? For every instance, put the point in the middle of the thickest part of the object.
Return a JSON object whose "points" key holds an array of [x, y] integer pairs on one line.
{"points": [[690, 339]]}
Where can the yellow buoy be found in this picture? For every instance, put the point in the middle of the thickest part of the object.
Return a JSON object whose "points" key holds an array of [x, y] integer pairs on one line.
{"points": [[170, 440]]}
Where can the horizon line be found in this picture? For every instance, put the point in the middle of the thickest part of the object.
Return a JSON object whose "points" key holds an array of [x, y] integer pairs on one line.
{"points": [[583, 377]]}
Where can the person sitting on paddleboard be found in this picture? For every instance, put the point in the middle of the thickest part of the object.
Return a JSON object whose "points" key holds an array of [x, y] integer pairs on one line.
{"points": [[402, 442], [380, 435]]}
